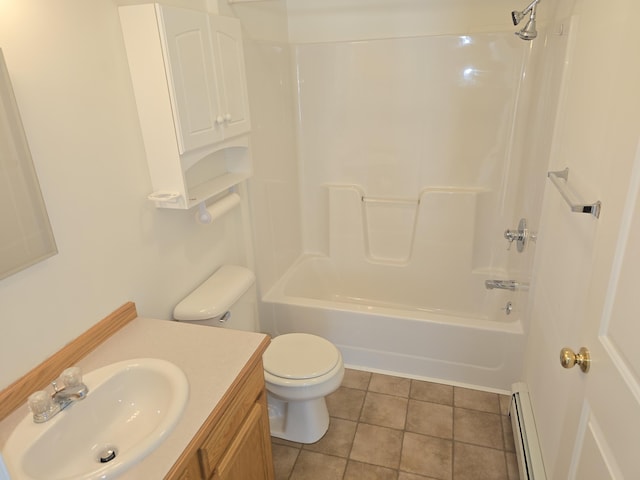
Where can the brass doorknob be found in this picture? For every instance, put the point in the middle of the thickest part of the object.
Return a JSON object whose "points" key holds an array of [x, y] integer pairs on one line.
{"points": [[568, 358]]}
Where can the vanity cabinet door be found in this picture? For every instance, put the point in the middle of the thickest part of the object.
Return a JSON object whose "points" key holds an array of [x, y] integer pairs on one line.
{"points": [[191, 471], [249, 455], [191, 76]]}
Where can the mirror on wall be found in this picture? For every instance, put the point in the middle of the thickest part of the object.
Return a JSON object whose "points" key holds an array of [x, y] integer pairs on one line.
{"points": [[25, 232]]}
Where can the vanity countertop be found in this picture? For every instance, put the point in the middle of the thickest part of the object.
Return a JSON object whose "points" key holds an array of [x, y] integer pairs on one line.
{"points": [[211, 358]]}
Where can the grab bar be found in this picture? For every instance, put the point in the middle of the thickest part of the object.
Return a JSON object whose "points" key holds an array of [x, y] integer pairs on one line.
{"points": [[393, 201], [592, 209], [505, 285]]}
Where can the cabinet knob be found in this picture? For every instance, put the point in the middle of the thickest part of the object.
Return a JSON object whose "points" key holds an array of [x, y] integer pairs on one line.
{"points": [[219, 119], [227, 117]]}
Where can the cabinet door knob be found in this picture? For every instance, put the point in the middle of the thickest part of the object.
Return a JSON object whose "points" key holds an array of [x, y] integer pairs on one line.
{"points": [[227, 117], [219, 119]]}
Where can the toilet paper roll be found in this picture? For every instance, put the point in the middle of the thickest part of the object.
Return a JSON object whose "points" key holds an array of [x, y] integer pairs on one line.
{"points": [[206, 215]]}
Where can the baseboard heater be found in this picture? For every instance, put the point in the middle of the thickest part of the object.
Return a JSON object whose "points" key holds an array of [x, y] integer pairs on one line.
{"points": [[525, 434]]}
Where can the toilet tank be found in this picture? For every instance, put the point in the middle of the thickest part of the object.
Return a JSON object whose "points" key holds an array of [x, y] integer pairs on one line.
{"points": [[226, 299]]}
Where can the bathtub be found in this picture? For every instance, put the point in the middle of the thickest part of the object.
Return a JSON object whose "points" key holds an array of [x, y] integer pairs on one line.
{"points": [[404, 337]]}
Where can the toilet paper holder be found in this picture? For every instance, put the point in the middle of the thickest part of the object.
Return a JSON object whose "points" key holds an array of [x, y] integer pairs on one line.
{"points": [[206, 215]]}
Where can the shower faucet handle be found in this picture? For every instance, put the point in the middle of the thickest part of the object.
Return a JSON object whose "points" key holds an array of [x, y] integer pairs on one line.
{"points": [[519, 236]]}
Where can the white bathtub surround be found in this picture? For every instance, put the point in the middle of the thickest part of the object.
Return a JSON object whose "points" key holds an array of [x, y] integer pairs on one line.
{"points": [[415, 253], [398, 116], [405, 148]]}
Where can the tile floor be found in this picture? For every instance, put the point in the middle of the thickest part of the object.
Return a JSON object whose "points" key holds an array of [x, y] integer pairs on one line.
{"points": [[391, 428]]}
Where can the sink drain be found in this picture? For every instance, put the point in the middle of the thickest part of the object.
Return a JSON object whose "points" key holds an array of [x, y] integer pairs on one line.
{"points": [[107, 454]]}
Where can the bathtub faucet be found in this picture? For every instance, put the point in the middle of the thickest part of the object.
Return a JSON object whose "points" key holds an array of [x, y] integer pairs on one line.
{"points": [[504, 285]]}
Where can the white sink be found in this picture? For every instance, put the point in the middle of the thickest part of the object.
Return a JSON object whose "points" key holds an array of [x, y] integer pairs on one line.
{"points": [[131, 407]]}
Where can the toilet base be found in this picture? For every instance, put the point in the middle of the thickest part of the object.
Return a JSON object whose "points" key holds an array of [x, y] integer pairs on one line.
{"points": [[298, 421]]}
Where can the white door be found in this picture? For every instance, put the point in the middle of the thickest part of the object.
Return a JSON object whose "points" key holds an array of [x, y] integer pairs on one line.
{"points": [[587, 276], [608, 435]]}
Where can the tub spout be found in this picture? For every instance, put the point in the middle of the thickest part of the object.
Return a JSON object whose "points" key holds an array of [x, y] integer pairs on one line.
{"points": [[505, 285]]}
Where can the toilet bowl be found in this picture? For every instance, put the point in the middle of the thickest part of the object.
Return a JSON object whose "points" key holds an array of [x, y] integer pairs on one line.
{"points": [[300, 369]]}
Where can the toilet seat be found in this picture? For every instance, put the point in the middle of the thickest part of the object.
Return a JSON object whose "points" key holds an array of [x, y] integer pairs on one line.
{"points": [[300, 356]]}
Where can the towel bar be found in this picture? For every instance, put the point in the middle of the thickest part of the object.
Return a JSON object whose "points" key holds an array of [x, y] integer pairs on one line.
{"points": [[592, 208]]}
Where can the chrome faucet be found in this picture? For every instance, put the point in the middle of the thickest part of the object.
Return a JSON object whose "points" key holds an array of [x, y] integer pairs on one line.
{"points": [[504, 285], [519, 236], [45, 405]]}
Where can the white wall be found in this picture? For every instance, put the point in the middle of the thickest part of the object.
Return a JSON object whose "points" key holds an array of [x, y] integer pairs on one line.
{"points": [[70, 75], [399, 97]]}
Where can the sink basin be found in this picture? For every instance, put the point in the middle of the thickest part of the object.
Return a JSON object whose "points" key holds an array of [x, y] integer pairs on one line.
{"points": [[131, 407]]}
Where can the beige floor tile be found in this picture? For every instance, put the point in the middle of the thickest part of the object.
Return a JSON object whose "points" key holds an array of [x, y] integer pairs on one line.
{"points": [[288, 443], [317, 466], [390, 428], [432, 392], [476, 400], [430, 419], [356, 379], [363, 471], [413, 476], [478, 463], [283, 460], [384, 410], [346, 403], [428, 456], [377, 446], [512, 466], [507, 430], [338, 439], [390, 385], [505, 403], [476, 427]]}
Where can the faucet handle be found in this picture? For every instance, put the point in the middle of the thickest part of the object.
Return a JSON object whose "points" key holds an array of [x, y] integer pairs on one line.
{"points": [[519, 236], [71, 377], [40, 403], [508, 234]]}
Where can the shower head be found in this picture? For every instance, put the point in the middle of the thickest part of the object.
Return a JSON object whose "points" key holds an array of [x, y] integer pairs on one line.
{"points": [[529, 31]]}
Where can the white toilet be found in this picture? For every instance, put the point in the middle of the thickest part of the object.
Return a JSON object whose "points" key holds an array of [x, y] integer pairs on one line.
{"points": [[300, 369]]}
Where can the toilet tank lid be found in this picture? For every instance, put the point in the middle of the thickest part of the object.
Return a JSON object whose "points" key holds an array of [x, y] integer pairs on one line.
{"points": [[216, 295]]}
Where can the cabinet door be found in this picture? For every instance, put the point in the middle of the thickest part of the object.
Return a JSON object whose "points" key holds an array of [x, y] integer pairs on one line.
{"points": [[191, 77], [249, 456], [191, 471], [232, 86]]}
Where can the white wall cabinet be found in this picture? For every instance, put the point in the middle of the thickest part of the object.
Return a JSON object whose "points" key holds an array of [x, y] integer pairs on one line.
{"points": [[187, 70]]}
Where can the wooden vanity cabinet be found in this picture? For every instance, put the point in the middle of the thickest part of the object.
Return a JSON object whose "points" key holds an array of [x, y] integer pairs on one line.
{"points": [[236, 442], [191, 471]]}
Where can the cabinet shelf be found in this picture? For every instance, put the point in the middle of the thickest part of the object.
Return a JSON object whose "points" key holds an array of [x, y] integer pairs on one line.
{"points": [[200, 193]]}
